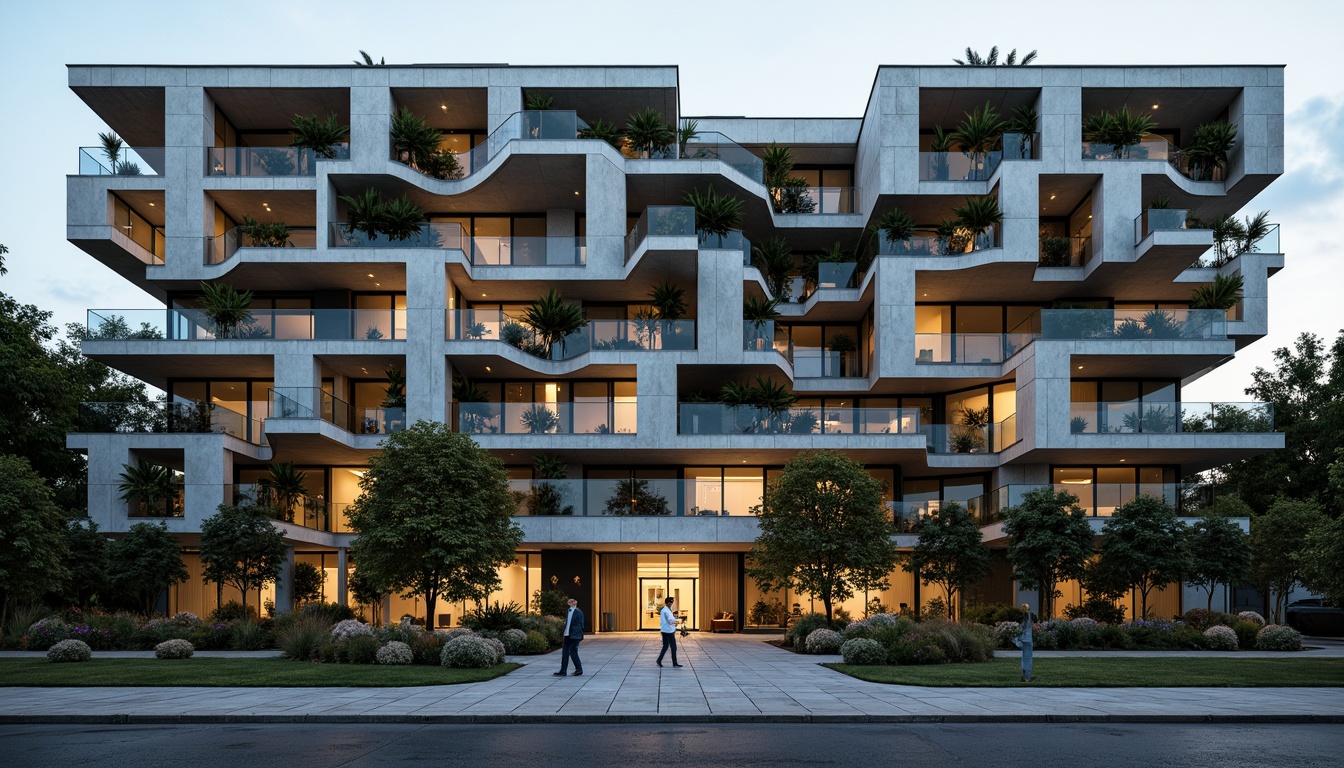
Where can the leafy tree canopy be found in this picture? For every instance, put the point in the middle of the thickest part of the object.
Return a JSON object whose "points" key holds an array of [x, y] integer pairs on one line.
{"points": [[240, 546], [1144, 546], [1219, 553], [950, 552], [1278, 543], [1323, 561], [435, 517], [32, 539], [1049, 541], [823, 530], [143, 562]]}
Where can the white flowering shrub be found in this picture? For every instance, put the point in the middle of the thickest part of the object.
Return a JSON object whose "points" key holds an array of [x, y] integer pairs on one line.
{"points": [[1277, 637], [823, 641], [174, 649], [1082, 622], [515, 640], [855, 629], [185, 619], [881, 620], [1251, 616], [1220, 638], [862, 650], [468, 652], [395, 653], [344, 630], [499, 648], [70, 650], [455, 632], [1005, 631]]}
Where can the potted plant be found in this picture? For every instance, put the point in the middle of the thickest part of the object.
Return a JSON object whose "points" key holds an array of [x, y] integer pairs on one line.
{"points": [[688, 132], [953, 239], [940, 145], [669, 306], [648, 134], [1223, 293], [1077, 425], [474, 411], [152, 486], [1023, 125], [394, 402], [788, 194], [604, 131], [112, 146], [845, 346], [774, 259], [970, 434], [400, 219], [978, 135], [715, 215], [364, 214], [553, 319], [1209, 149], [826, 267], [977, 216], [538, 102], [1121, 130], [413, 139], [271, 234], [226, 309], [320, 136], [1054, 250], [756, 312], [897, 227], [285, 487]]}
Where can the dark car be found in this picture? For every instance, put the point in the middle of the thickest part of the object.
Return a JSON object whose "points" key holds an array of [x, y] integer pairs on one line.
{"points": [[1313, 617]]}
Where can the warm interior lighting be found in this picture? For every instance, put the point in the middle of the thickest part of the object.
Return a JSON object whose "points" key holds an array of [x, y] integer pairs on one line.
{"points": [[487, 369], [1080, 367], [370, 274], [1084, 481], [444, 107], [151, 205], [1052, 197], [1154, 106], [576, 193]]}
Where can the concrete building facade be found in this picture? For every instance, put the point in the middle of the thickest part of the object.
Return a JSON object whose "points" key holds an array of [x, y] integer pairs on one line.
{"points": [[961, 363]]}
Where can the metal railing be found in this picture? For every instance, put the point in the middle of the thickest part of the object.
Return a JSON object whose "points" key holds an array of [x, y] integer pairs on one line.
{"points": [[1166, 418], [142, 161], [967, 438], [267, 161], [297, 403], [261, 324], [527, 125], [724, 419]]}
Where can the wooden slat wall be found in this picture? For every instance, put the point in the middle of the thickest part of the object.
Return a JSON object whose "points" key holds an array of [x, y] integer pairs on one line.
{"points": [[718, 587], [618, 591]]}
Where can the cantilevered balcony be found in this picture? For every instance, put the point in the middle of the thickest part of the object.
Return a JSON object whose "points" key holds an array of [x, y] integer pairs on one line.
{"points": [[268, 161], [597, 417], [296, 403], [218, 249], [971, 438], [481, 250], [142, 161], [1155, 148], [1168, 418], [528, 125], [660, 221], [597, 335], [181, 417], [724, 419], [926, 243], [261, 324]]}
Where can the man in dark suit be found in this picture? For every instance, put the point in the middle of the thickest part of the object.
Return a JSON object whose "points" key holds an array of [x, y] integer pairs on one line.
{"points": [[572, 634]]}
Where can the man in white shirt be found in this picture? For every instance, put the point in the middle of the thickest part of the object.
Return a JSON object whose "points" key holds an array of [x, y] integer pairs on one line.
{"points": [[667, 625], [572, 635]]}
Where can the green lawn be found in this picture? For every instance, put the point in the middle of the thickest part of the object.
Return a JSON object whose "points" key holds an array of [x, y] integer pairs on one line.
{"points": [[252, 673], [1112, 673]]}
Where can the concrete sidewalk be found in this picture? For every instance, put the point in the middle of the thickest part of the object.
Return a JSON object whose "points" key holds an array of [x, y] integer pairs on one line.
{"points": [[726, 678]]}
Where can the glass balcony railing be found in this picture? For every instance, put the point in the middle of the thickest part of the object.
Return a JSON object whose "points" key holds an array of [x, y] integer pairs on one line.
{"points": [[1065, 251], [1021, 146], [641, 497], [267, 161], [967, 438], [142, 161], [297, 403], [218, 249], [1225, 250], [660, 221], [1125, 324], [967, 348], [723, 419], [595, 417], [712, 145], [732, 241], [183, 416], [483, 251], [528, 125], [302, 509], [958, 166], [1158, 219], [598, 335], [263, 324], [816, 200], [929, 244], [1156, 148], [1111, 418], [761, 337], [1095, 499]]}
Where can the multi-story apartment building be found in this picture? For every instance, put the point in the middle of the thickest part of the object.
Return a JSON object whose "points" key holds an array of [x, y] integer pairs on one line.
{"points": [[969, 363]]}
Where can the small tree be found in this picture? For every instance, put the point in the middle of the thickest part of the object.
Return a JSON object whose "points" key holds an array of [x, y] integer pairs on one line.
{"points": [[1049, 541], [435, 517], [1323, 561], [365, 591], [32, 543], [86, 560], [143, 562], [1278, 542], [823, 530], [950, 552], [1144, 546], [240, 546], [308, 580], [1219, 553]]}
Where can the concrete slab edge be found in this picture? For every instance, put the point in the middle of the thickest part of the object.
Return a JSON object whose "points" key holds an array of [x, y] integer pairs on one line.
{"points": [[124, 719]]}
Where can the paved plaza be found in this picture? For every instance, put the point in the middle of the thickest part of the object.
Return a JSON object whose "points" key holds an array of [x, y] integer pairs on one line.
{"points": [[726, 678]]}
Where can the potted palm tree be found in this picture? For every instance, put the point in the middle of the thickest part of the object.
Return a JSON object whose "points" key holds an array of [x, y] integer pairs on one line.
{"points": [[319, 136], [400, 219], [978, 216], [669, 305], [939, 146], [474, 411], [756, 312], [649, 136], [715, 215], [271, 234], [112, 146], [604, 131], [153, 488], [788, 194], [897, 227], [978, 135], [1023, 126], [1209, 149], [1223, 293], [413, 139], [226, 309], [364, 214], [774, 259], [553, 319], [832, 267], [538, 419], [285, 486]]}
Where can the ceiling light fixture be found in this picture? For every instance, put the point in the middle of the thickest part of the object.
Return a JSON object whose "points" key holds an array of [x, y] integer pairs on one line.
{"points": [[370, 274], [1080, 367], [1052, 197], [1154, 106], [151, 205], [487, 369], [444, 107]]}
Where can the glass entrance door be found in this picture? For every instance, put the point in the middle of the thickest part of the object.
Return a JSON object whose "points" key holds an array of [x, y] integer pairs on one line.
{"points": [[652, 593]]}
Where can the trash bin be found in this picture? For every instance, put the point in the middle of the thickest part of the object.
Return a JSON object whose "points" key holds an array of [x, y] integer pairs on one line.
{"points": [[608, 621]]}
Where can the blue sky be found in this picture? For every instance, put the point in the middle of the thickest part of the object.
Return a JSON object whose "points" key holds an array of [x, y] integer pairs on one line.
{"points": [[783, 57]]}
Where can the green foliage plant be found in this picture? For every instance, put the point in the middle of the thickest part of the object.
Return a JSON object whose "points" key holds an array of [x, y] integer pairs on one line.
{"points": [[949, 552], [1144, 546], [240, 547], [226, 308], [1049, 541], [318, 134], [715, 214]]}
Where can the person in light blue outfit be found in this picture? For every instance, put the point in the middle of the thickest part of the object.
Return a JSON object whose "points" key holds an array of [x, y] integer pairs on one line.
{"points": [[1023, 641], [667, 625]]}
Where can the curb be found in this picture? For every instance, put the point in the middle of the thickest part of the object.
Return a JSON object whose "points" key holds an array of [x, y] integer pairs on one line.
{"points": [[125, 719]]}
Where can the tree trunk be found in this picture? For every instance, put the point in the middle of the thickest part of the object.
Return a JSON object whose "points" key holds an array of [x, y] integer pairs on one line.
{"points": [[1211, 588], [431, 598], [951, 602], [242, 589], [826, 601]]}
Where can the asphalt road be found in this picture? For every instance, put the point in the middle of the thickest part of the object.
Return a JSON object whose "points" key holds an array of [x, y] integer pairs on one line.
{"points": [[730, 746]]}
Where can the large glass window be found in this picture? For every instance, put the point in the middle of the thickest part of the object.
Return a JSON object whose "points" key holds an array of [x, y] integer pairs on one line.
{"points": [[1101, 489]]}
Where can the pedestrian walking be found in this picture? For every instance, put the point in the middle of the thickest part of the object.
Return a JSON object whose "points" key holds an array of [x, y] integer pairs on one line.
{"points": [[667, 625], [572, 636]]}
